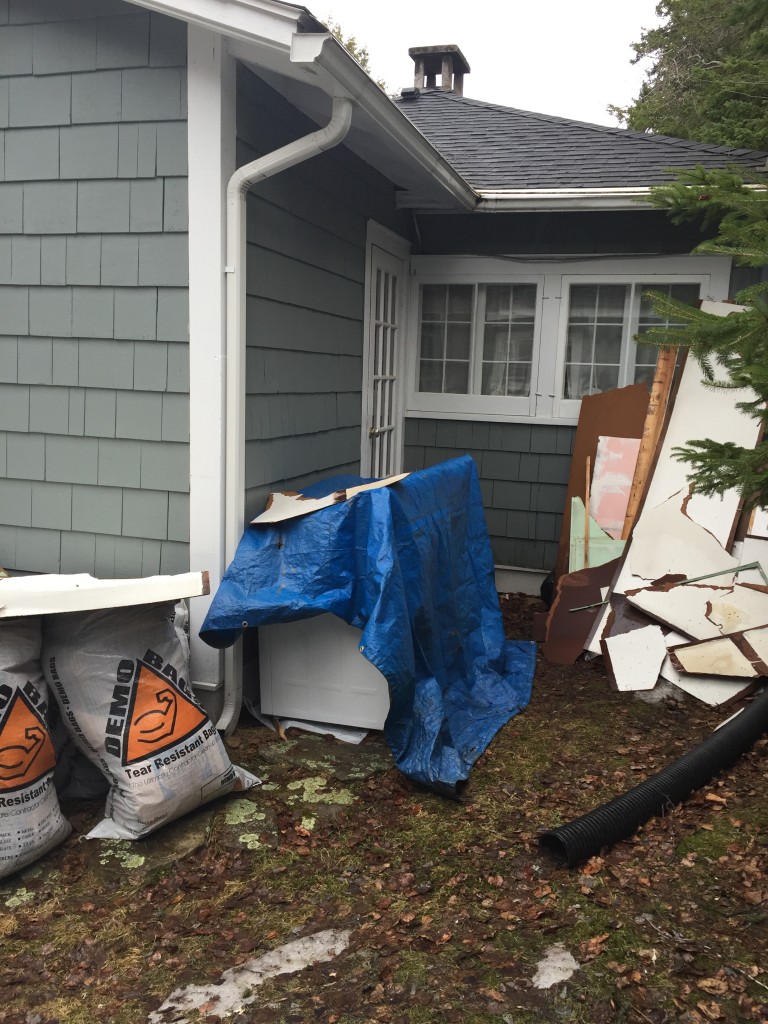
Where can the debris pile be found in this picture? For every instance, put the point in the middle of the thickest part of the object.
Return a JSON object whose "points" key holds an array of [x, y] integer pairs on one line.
{"points": [[665, 584]]}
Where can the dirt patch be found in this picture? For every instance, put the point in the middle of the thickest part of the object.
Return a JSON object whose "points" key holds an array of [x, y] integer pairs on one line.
{"points": [[450, 907]]}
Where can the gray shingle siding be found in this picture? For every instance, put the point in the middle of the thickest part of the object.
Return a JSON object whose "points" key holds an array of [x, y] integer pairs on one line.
{"points": [[93, 289], [523, 476], [305, 283]]}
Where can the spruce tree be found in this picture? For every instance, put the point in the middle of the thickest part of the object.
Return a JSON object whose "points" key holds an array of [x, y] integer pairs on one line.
{"points": [[733, 350]]}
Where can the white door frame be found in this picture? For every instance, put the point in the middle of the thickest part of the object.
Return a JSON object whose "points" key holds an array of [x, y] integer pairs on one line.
{"points": [[399, 248]]}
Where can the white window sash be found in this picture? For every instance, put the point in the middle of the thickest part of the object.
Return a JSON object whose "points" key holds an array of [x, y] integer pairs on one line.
{"points": [[552, 278]]}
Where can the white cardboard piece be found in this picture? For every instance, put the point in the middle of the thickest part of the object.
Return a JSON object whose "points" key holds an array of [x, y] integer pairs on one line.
{"points": [[288, 505], [55, 594]]}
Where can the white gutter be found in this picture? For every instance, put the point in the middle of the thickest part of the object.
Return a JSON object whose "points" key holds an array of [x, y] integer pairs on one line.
{"points": [[626, 198], [235, 347]]}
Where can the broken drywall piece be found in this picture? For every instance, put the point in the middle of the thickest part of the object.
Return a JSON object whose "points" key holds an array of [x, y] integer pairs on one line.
{"points": [[290, 505], [719, 657], [237, 986], [682, 608], [614, 468], [55, 593], [709, 690], [744, 606], [758, 641], [667, 542], [598, 547], [633, 660]]}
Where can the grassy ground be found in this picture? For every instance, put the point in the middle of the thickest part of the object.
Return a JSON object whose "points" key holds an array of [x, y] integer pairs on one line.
{"points": [[450, 906]]}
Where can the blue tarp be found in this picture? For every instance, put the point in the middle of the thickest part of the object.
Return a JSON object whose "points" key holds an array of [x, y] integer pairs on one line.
{"points": [[411, 566]]}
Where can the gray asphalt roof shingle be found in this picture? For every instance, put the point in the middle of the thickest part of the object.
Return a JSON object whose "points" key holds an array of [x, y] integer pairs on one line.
{"points": [[501, 148]]}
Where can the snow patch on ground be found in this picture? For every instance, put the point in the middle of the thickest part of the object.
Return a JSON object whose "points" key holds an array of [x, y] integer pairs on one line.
{"points": [[556, 965], [237, 986]]}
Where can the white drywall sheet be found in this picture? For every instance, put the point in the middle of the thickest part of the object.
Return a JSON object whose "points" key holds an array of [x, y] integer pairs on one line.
{"points": [[682, 608], [53, 594], [740, 607], [635, 659]]}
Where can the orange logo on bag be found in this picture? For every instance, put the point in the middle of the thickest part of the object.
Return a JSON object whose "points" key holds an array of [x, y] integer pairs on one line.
{"points": [[26, 751], [161, 716]]}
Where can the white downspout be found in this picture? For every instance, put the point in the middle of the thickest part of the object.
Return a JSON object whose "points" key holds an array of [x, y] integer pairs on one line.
{"points": [[234, 487]]}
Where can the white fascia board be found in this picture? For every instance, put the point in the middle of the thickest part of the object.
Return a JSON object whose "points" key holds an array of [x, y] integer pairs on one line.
{"points": [[562, 199], [348, 78], [251, 20]]}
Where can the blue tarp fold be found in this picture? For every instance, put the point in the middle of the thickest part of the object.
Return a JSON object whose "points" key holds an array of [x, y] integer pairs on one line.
{"points": [[411, 566]]}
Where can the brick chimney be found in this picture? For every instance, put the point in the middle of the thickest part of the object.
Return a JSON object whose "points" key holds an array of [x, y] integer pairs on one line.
{"points": [[447, 61]]}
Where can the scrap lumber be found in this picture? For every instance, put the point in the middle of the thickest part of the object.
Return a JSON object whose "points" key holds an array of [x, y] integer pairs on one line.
{"points": [[54, 594], [618, 413], [652, 427], [718, 515]]}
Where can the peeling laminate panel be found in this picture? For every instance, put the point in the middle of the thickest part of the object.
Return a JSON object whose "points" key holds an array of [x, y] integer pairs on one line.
{"points": [[598, 547], [744, 606], [683, 608], [567, 630], [619, 413], [615, 462], [720, 657], [666, 541]]}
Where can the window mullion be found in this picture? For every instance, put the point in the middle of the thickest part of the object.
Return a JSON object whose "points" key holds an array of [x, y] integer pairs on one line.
{"points": [[476, 342], [631, 318]]}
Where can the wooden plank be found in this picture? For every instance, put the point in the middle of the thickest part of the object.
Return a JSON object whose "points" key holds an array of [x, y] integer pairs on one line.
{"points": [[654, 418]]}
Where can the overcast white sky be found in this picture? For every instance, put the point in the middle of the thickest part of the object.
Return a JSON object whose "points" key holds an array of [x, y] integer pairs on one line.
{"points": [[561, 57]]}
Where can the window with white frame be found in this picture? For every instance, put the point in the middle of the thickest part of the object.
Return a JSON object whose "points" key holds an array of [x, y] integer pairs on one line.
{"points": [[511, 341]]}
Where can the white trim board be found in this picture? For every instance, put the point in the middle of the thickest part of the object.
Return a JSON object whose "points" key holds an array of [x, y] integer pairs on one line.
{"points": [[56, 594], [211, 125]]}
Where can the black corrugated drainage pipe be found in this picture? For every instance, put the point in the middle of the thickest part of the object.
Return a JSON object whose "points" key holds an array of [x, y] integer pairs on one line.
{"points": [[586, 836]]}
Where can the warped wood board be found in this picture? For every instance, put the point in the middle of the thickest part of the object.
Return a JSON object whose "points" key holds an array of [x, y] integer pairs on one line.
{"points": [[53, 594], [618, 413], [696, 410], [568, 630], [615, 462], [290, 505], [601, 547], [666, 541], [633, 660], [708, 689]]}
